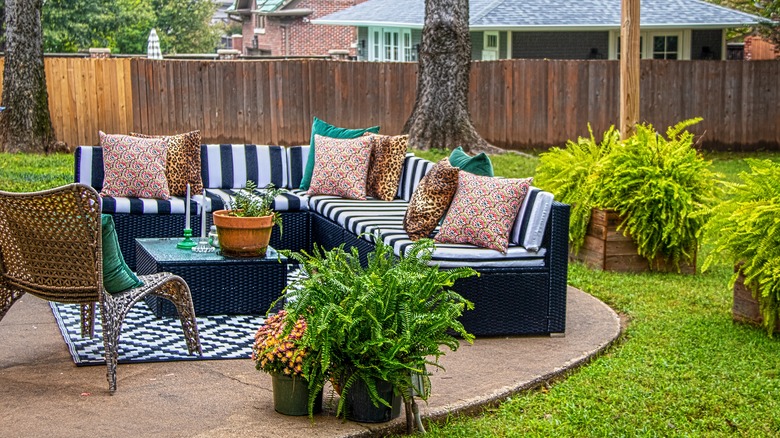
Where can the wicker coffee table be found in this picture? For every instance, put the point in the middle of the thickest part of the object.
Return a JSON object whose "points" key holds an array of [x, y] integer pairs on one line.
{"points": [[219, 285]]}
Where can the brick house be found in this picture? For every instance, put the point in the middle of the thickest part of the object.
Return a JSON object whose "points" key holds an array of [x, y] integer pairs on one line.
{"points": [[284, 28]]}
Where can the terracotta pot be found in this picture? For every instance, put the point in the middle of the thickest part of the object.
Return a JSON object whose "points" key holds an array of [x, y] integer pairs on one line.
{"points": [[243, 236]]}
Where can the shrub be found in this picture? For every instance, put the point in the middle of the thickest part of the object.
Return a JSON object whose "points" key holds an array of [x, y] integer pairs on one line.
{"points": [[746, 227]]}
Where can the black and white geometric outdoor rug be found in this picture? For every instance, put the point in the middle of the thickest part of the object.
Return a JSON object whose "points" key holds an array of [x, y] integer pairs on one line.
{"points": [[146, 338]]}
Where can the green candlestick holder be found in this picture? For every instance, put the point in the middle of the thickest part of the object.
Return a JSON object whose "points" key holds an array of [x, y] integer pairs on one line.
{"points": [[187, 242]]}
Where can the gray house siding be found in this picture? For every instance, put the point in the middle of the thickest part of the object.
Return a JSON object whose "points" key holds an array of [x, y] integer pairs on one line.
{"points": [[477, 43], [559, 45], [706, 44]]}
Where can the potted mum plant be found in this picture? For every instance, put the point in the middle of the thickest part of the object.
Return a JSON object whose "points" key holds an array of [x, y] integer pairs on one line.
{"points": [[277, 350], [374, 329], [244, 228], [638, 204], [746, 229]]}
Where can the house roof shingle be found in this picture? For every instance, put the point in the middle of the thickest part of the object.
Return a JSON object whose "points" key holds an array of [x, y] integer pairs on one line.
{"points": [[547, 14]]}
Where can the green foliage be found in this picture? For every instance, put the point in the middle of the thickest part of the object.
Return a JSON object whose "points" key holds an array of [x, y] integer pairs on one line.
{"points": [[382, 322], [184, 26], [573, 176], [663, 188], [249, 202], [746, 228]]}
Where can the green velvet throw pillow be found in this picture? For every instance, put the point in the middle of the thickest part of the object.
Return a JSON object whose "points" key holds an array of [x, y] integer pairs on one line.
{"points": [[478, 165], [327, 130], [117, 276]]}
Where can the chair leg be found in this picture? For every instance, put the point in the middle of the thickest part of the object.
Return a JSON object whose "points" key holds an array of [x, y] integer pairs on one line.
{"points": [[112, 317], [88, 320], [177, 291], [7, 299]]}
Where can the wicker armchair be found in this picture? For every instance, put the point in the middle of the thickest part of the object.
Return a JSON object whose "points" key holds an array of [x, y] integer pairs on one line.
{"points": [[51, 247]]}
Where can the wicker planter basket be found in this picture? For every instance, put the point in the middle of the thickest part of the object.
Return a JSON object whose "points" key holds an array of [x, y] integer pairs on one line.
{"points": [[607, 249]]}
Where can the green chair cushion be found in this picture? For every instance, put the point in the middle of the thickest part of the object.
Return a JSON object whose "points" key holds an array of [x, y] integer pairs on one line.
{"points": [[117, 276], [327, 130]]}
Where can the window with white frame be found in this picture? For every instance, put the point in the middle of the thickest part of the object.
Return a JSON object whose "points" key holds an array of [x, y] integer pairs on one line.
{"points": [[389, 44], [490, 46], [666, 46], [656, 45]]}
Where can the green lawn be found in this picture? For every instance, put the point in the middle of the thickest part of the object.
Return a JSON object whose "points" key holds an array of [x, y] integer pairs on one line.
{"points": [[682, 367]]}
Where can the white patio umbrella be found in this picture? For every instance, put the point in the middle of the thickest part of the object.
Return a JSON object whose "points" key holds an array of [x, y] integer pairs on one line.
{"points": [[153, 47]]}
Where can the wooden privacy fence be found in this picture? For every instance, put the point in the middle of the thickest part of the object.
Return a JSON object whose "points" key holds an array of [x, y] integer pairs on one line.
{"points": [[516, 104]]}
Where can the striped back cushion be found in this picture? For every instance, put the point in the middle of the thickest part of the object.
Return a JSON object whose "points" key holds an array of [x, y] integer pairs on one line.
{"points": [[414, 170], [228, 166], [296, 161], [531, 221], [89, 166]]}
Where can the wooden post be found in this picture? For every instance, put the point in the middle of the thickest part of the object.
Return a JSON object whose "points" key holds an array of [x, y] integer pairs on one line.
{"points": [[629, 67]]}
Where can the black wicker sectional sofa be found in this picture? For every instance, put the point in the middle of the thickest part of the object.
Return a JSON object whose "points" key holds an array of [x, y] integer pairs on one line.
{"points": [[522, 292]]}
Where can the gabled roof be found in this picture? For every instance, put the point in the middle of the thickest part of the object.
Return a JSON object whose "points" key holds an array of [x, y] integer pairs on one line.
{"points": [[547, 14]]}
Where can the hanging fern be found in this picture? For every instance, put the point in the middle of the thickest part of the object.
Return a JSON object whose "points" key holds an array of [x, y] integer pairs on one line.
{"points": [[384, 322], [572, 175], [663, 188], [746, 228]]}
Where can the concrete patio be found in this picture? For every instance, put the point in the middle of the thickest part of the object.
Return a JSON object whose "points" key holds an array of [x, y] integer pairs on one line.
{"points": [[42, 393]]}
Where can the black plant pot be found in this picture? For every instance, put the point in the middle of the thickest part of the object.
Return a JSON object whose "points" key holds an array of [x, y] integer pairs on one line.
{"points": [[359, 407]]}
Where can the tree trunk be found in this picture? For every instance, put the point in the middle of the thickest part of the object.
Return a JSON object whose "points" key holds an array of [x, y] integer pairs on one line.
{"points": [[25, 124], [440, 118]]}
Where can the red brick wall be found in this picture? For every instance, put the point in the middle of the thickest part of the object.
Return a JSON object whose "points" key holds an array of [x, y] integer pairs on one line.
{"points": [[296, 36], [757, 48]]}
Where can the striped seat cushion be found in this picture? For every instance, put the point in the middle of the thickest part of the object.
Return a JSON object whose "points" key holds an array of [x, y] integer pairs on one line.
{"points": [[174, 205], [531, 222], [229, 166], [414, 170], [386, 218], [217, 199], [296, 160]]}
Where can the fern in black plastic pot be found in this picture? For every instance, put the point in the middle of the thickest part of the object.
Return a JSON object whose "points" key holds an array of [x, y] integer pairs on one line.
{"points": [[383, 322], [572, 174], [663, 188], [746, 229]]}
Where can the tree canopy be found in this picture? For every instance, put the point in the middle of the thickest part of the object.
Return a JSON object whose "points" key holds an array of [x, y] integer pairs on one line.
{"points": [[184, 26]]}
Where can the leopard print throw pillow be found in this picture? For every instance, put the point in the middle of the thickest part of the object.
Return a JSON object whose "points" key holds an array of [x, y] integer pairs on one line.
{"points": [[431, 200], [182, 164], [387, 161]]}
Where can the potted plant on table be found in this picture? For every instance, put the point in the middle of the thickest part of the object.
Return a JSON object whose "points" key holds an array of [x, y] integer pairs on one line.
{"points": [[244, 229], [277, 350], [746, 229], [374, 330]]}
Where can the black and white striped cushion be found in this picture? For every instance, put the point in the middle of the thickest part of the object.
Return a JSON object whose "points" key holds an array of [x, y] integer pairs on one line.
{"points": [[359, 216], [531, 222], [174, 205], [217, 199], [229, 166], [296, 160], [89, 166], [414, 170]]}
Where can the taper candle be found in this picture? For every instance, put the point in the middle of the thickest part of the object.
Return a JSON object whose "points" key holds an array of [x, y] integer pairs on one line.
{"points": [[203, 216], [187, 209]]}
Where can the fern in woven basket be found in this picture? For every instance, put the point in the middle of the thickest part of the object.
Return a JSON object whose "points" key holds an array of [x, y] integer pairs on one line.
{"points": [[386, 321], [572, 174], [746, 228]]}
